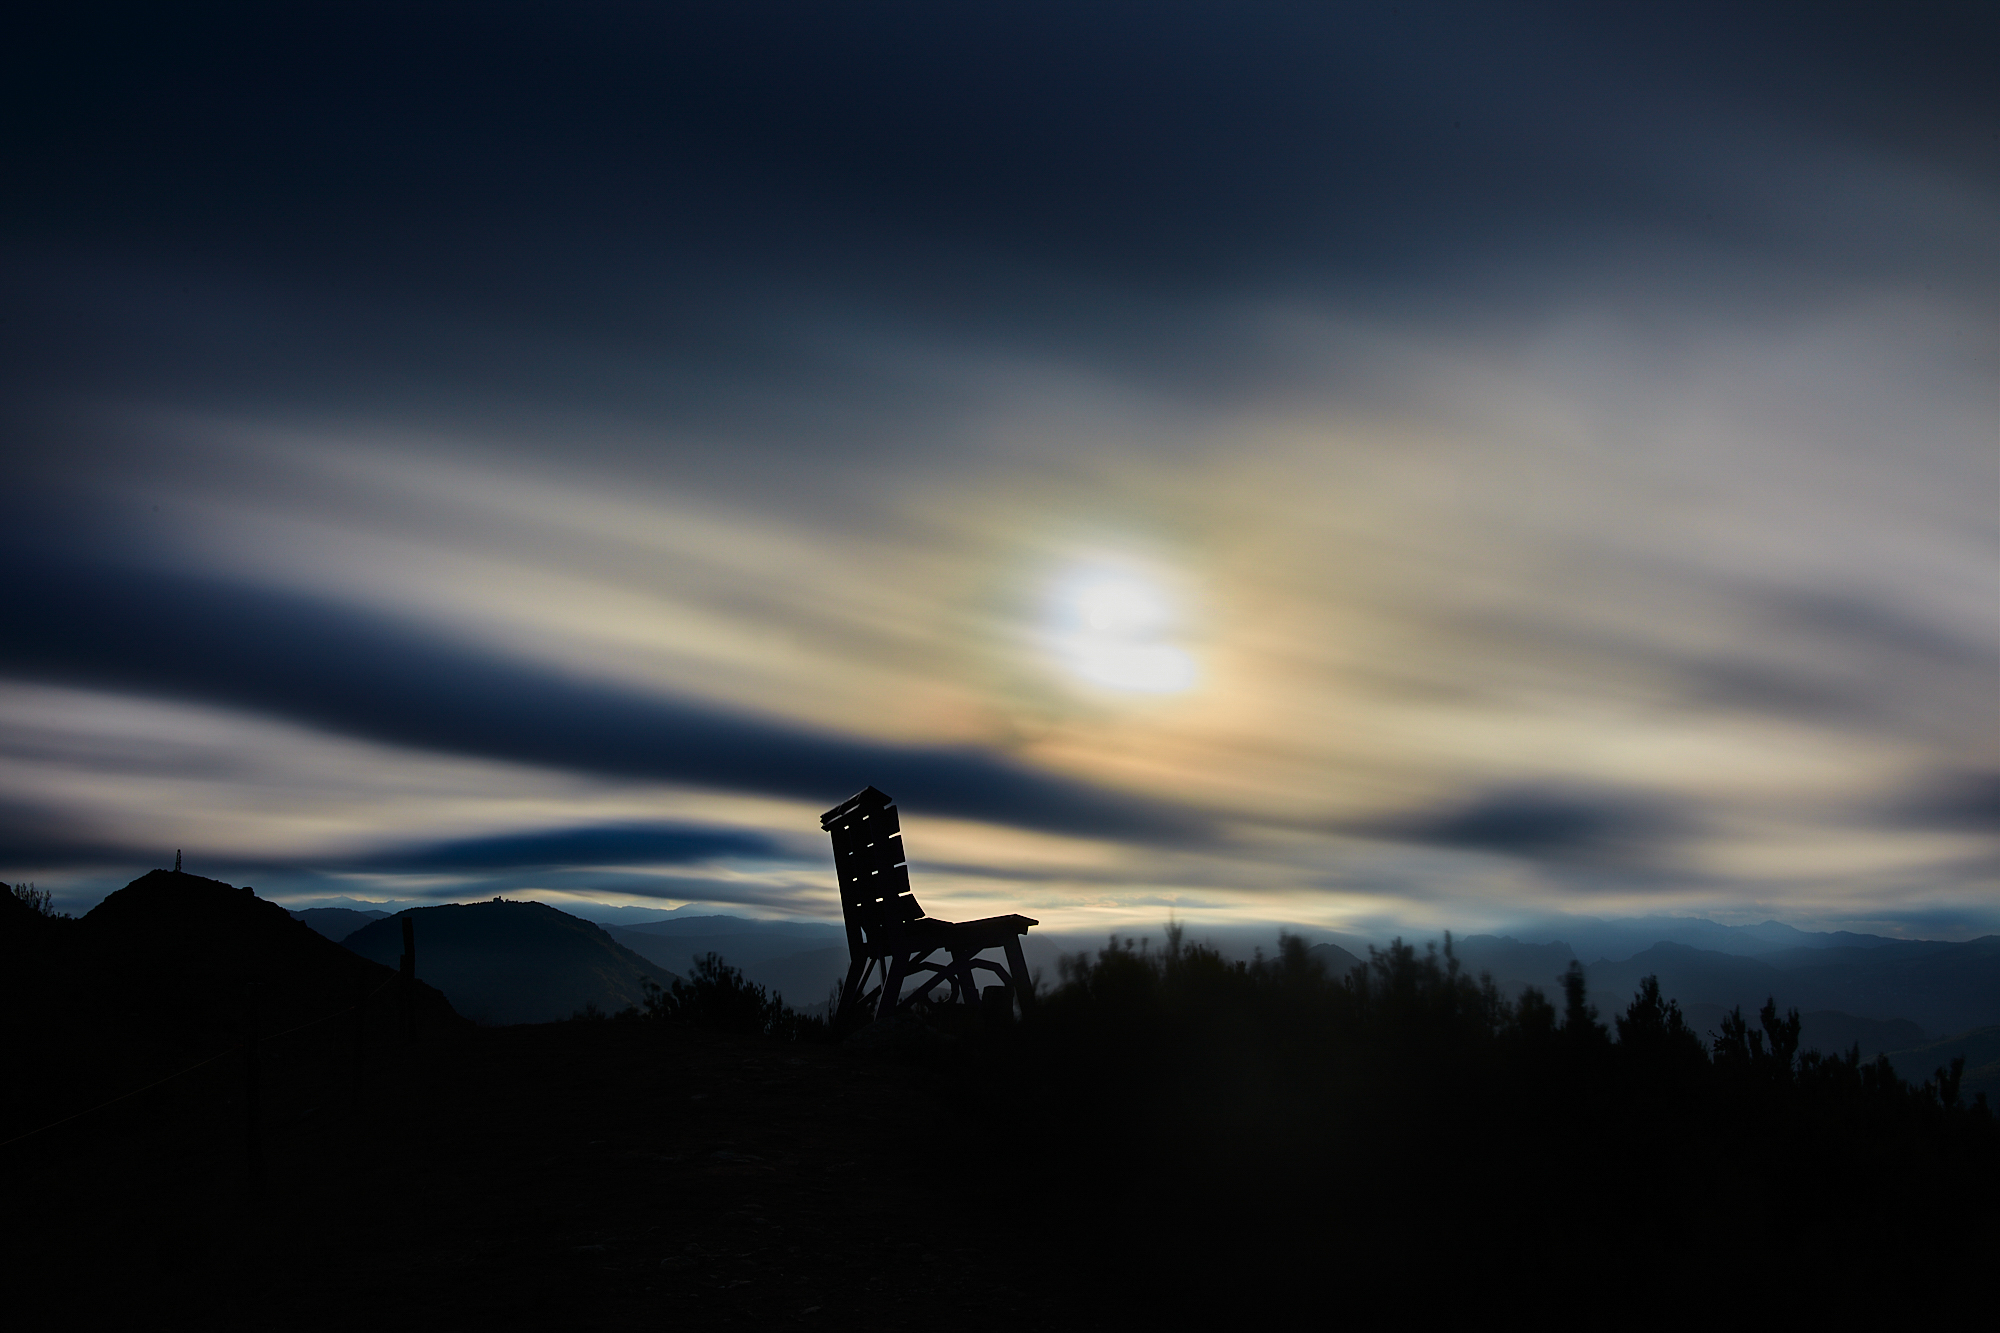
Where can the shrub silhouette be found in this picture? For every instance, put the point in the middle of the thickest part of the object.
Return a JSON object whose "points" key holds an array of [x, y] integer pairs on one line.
{"points": [[1408, 1050], [717, 996], [38, 901], [1409, 1112]]}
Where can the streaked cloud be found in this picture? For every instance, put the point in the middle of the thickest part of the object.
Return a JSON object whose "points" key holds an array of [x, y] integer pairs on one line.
{"points": [[1549, 458]]}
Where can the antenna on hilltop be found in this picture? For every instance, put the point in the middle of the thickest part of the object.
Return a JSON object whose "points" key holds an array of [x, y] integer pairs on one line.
{"points": [[177, 860]]}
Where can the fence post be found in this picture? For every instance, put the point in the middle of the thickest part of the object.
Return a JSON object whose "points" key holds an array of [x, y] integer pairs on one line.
{"points": [[252, 1148], [357, 1032], [408, 984]]}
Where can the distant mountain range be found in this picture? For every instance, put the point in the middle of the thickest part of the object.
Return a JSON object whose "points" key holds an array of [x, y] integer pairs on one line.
{"points": [[1896, 996], [1593, 937], [1336, 961], [171, 934], [514, 962], [801, 960], [1945, 988], [336, 923]]}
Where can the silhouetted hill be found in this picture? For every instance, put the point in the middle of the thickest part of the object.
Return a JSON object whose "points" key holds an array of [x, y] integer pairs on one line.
{"points": [[336, 923], [186, 941], [168, 970], [1337, 961], [514, 962], [36, 955]]}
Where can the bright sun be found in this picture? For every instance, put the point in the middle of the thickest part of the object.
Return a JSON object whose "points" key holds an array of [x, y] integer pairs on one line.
{"points": [[1111, 626]]}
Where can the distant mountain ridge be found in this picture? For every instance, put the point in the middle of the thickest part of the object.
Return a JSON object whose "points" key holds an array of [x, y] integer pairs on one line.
{"points": [[504, 961], [336, 923], [204, 936], [1944, 987], [1853, 987], [1617, 938], [1337, 961]]}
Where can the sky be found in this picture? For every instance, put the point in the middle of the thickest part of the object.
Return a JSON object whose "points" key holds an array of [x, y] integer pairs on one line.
{"points": [[1433, 465]]}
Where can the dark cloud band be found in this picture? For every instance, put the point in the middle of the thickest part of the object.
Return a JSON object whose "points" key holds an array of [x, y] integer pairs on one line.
{"points": [[1542, 824], [595, 845], [356, 674]]}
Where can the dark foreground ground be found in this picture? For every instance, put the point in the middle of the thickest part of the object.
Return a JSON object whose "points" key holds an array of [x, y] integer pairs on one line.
{"points": [[1173, 1138], [578, 1175], [631, 1176]]}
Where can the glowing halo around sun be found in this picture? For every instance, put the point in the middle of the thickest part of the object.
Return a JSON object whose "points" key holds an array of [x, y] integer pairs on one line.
{"points": [[1112, 626]]}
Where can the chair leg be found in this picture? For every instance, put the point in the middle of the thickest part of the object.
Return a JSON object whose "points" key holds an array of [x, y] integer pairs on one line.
{"points": [[967, 984], [857, 976], [1017, 963], [896, 965]]}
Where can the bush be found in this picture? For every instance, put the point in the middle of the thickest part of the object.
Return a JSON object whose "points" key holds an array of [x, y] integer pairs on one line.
{"points": [[39, 901], [1407, 1117], [719, 998], [1410, 1040]]}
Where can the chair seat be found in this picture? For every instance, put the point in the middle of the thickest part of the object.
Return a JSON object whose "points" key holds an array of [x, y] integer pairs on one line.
{"points": [[985, 933]]}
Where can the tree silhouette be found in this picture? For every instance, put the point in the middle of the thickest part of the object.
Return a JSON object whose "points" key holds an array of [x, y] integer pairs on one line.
{"points": [[1580, 1025]]}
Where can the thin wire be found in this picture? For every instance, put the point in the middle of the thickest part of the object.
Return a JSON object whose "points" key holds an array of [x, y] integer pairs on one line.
{"points": [[119, 1098]]}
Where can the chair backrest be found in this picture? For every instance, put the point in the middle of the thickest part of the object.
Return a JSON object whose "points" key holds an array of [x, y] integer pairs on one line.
{"points": [[868, 860]]}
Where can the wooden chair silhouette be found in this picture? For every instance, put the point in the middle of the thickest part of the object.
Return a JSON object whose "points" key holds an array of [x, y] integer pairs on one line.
{"points": [[887, 929]]}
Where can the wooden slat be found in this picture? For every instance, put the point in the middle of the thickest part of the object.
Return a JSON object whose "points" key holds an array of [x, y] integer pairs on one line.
{"points": [[883, 883], [888, 910], [875, 857], [867, 800], [868, 826]]}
